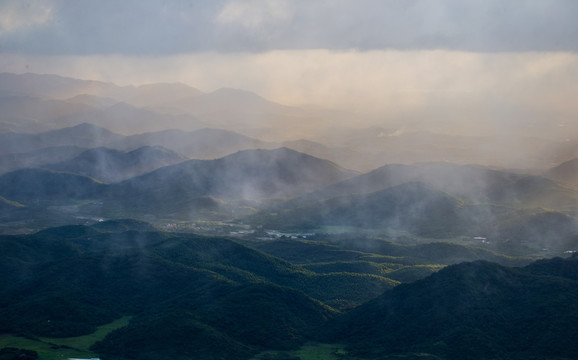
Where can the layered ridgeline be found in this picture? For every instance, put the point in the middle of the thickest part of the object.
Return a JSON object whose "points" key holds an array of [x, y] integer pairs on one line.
{"points": [[440, 200], [33, 103], [187, 190], [189, 296], [109, 165], [282, 189], [192, 297], [200, 144]]}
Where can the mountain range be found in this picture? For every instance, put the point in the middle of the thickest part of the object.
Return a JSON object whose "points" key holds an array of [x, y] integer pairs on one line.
{"points": [[108, 165], [476, 310], [189, 296], [33, 103], [285, 189], [160, 221]]}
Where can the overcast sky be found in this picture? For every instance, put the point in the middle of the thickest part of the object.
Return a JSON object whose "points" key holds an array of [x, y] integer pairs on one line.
{"points": [[164, 27], [499, 59]]}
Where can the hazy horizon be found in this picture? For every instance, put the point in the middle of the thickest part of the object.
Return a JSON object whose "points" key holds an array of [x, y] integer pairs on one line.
{"points": [[481, 67]]}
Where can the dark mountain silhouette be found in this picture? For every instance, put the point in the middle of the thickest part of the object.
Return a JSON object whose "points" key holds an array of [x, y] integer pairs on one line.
{"points": [[251, 175], [38, 158], [32, 185], [232, 185], [472, 310], [214, 297], [110, 165]]}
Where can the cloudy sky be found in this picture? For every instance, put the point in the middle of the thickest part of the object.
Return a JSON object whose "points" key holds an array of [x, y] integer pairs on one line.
{"points": [[485, 60]]}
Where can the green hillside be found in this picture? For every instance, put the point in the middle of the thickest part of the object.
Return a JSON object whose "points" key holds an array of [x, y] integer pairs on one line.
{"points": [[476, 310]]}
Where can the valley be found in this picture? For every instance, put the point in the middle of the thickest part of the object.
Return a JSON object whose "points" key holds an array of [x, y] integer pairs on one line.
{"points": [[151, 222]]}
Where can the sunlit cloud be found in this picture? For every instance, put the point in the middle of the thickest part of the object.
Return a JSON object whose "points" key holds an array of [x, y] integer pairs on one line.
{"points": [[23, 15]]}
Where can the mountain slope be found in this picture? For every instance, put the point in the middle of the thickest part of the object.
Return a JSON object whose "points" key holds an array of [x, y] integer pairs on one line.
{"points": [[534, 191], [198, 144], [471, 183], [565, 172], [228, 100], [58, 87], [32, 185], [474, 310], [127, 119], [110, 165], [220, 289], [245, 178], [38, 158], [82, 135], [413, 207]]}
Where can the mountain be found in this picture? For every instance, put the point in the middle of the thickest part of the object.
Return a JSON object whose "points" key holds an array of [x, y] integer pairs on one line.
{"points": [[33, 103], [474, 184], [127, 119], [412, 206], [31, 115], [381, 146], [110, 165], [228, 100], [512, 213], [159, 94], [214, 297], [250, 114], [198, 288], [51, 86], [59, 88], [82, 135], [92, 101], [203, 143], [349, 159], [246, 177], [34, 185], [534, 191], [476, 310], [38, 158], [198, 144], [566, 172]]}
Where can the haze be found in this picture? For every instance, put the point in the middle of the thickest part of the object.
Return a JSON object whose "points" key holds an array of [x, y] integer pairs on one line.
{"points": [[475, 68]]}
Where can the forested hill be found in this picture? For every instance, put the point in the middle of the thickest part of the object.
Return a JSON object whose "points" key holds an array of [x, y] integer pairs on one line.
{"points": [[192, 296]]}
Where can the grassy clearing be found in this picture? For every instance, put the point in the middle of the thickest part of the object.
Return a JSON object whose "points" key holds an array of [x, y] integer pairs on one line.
{"points": [[63, 348], [308, 352]]}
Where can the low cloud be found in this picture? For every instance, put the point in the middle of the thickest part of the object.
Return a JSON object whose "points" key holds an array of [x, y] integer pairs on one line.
{"points": [[17, 17], [153, 28]]}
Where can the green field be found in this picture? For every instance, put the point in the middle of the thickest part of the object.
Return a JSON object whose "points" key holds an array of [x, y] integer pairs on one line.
{"points": [[64, 348]]}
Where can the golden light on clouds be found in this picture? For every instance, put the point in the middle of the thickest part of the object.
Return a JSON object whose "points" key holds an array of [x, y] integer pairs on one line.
{"points": [[447, 85]]}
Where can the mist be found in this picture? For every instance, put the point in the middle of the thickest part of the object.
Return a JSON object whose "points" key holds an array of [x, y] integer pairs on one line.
{"points": [[288, 179]]}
